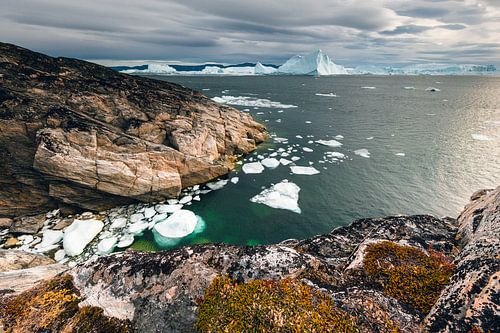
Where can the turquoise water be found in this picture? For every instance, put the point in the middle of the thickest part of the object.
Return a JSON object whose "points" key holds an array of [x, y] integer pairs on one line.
{"points": [[442, 166]]}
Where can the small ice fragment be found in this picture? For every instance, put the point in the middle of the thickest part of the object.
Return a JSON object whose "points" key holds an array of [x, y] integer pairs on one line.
{"points": [[307, 149], [362, 152], [284, 195], [270, 163], [301, 170], [329, 143], [252, 168]]}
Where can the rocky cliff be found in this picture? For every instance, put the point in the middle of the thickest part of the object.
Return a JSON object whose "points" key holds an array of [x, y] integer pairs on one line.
{"points": [[393, 274], [73, 133]]}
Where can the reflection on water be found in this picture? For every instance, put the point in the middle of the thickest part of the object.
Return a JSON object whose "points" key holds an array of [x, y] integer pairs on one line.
{"points": [[442, 163]]}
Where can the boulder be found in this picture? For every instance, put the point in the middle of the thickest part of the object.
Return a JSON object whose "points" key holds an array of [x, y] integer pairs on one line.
{"points": [[27, 224], [76, 134]]}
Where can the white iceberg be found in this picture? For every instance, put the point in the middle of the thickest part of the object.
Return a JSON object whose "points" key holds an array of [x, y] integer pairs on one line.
{"points": [[263, 70], [79, 234], [302, 170], [251, 101], [326, 95], [125, 241], [270, 163], [329, 143], [315, 63], [153, 69], [284, 195], [180, 224], [362, 152], [254, 167], [107, 245], [50, 237]]}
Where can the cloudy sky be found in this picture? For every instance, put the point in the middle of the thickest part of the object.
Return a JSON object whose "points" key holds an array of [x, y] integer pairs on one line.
{"points": [[353, 32]]}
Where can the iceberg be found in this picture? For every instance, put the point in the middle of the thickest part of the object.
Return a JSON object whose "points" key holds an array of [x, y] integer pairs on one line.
{"points": [[284, 195], [79, 234], [107, 245], [180, 224], [152, 69], [263, 70], [315, 63], [363, 152]]}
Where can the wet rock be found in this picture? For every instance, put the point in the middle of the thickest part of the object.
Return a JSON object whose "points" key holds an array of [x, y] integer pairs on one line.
{"points": [[76, 134], [5, 222], [28, 224]]}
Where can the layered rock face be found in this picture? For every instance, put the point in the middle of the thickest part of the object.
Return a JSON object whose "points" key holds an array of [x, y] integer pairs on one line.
{"points": [[80, 134]]}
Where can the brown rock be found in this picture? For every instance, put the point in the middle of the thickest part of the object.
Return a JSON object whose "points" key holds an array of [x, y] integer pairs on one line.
{"points": [[16, 259], [12, 242], [73, 133], [5, 222], [27, 224]]}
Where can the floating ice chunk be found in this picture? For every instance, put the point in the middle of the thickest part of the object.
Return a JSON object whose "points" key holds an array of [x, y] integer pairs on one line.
{"points": [[278, 120], [400, 154], [162, 208], [178, 225], [335, 154], [235, 180], [409, 88], [251, 101], [125, 241], [217, 185], [302, 170], [307, 149], [79, 234], [362, 152], [432, 89], [137, 229], [270, 163], [481, 137], [284, 195], [308, 122], [295, 158], [107, 245], [367, 87], [280, 140], [186, 199], [329, 143], [326, 95], [339, 137], [149, 212], [284, 161], [59, 255], [136, 217], [314, 63], [298, 136], [50, 237], [172, 201], [251, 168], [118, 223], [369, 138]]}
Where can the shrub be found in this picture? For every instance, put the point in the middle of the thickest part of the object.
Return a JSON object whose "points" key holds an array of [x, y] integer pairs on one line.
{"points": [[407, 273], [269, 306]]}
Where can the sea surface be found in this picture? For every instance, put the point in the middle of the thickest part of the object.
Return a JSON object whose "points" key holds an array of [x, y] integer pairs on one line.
{"points": [[450, 140]]}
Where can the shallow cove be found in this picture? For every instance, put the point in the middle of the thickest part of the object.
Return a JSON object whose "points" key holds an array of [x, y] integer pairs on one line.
{"points": [[441, 166]]}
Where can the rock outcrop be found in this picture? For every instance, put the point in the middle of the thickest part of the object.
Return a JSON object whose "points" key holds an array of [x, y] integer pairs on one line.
{"points": [[73, 133], [162, 291]]}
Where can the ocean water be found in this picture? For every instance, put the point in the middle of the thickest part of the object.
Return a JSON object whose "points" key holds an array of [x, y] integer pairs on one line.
{"points": [[450, 140]]}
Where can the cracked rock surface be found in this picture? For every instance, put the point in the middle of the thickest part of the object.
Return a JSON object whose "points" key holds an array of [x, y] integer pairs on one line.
{"points": [[73, 133]]}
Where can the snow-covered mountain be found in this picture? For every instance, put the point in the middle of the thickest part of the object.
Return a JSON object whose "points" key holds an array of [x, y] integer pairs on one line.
{"points": [[314, 63]]}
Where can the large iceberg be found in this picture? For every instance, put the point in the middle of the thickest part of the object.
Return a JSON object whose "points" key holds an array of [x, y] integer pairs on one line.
{"points": [[425, 69], [315, 63], [263, 70], [153, 69]]}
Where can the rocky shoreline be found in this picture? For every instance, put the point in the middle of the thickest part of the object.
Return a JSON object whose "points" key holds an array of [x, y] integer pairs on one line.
{"points": [[161, 291]]}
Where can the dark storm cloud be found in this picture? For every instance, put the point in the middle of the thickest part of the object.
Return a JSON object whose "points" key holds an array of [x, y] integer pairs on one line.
{"points": [[353, 31]]}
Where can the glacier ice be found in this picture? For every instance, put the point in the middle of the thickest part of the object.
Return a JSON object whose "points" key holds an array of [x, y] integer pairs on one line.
{"points": [[263, 70], [283, 195], [79, 234], [315, 63]]}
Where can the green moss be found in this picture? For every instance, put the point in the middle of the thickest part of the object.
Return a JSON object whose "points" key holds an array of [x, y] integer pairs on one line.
{"points": [[144, 245], [52, 306], [408, 274], [269, 306]]}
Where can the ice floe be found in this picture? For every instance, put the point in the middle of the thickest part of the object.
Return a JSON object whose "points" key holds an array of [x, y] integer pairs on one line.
{"points": [[307, 149], [252, 168], [107, 245], [251, 101], [432, 89], [362, 152], [326, 95], [217, 185], [400, 154], [329, 143], [283, 195], [270, 163], [180, 224], [79, 234], [302, 170], [367, 87]]}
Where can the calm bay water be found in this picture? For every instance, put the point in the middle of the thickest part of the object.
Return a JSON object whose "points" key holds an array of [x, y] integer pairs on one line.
{"points": [[442, 166]]}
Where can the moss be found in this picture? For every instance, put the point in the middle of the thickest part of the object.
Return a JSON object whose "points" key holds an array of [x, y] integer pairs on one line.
{"points": [[90, 319], [52, 306], [269, 306], [144, 245], [408, 274]]}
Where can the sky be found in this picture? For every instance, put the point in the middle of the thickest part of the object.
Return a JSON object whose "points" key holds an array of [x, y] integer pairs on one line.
{"points": [[352, 32]]}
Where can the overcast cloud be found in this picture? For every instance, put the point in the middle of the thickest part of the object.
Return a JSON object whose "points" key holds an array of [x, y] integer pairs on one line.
{"points": [[352, 31]]}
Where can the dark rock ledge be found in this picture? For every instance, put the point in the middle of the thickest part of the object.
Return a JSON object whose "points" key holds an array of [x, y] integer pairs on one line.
{"points": [[161, 292]]}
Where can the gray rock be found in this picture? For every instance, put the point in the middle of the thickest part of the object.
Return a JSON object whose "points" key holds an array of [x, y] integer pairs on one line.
{"points": [[28, 224]]}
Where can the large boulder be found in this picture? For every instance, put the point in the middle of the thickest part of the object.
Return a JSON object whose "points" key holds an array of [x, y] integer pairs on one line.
{"points": [[73, 133]]}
